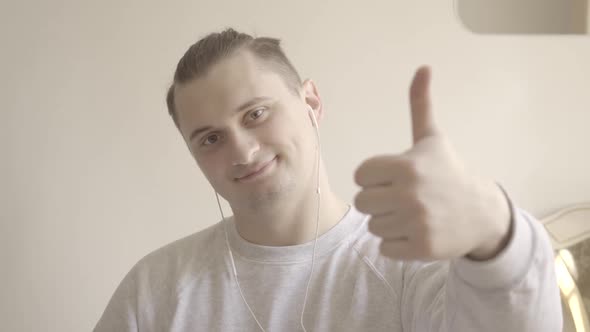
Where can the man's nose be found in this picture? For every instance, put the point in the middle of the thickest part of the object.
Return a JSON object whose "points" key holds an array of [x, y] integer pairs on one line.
{"points": [[244, 148]]}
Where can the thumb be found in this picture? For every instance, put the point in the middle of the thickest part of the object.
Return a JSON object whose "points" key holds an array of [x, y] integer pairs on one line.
{"points": [[422, 118]]}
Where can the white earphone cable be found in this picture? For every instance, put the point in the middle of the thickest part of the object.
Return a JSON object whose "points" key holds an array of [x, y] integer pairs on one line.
{"points": [[314, 245], [317, 216], [234, 265]]}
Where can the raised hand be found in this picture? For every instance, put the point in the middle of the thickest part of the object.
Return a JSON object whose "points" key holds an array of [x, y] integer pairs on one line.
{"points": [[423, 203]]}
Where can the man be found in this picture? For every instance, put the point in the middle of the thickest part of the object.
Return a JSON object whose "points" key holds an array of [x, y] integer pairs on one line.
{"points": [[288, 261]]}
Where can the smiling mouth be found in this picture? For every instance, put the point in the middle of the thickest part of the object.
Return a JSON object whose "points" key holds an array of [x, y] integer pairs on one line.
{"points": [[258, 172]]}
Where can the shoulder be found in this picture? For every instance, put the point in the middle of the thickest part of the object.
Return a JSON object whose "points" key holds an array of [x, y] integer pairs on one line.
{"points": [[184, 258], [157, 278], [193, 246]]}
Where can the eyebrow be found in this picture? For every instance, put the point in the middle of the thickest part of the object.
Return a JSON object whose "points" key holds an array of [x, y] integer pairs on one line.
{"points": [[242, 107]]}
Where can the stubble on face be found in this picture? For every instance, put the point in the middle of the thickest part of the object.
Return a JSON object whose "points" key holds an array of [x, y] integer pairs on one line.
{"points": [[283, 186]]}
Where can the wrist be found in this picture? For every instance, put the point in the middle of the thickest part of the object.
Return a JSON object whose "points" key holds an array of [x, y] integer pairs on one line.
{"points": [[501, 220]]}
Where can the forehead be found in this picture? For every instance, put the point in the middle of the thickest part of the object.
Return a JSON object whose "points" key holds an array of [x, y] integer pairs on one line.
{"points": [[226, 85]]}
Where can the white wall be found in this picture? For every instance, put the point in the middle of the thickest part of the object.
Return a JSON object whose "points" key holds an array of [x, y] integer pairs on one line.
{"points": [[94, 174]]}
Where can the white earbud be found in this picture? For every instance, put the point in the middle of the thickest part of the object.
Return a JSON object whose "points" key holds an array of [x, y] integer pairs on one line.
{"points": [[313, 119], [315, 126]]}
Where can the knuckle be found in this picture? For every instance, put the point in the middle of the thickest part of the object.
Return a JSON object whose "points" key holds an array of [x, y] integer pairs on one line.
{"points": [[362, 171], [372, 226], [427, 247], [408, 166], [388, 251], [419, 208], [360, 201], [424, 230], [415, 167], [359, 176], [383, 248]]}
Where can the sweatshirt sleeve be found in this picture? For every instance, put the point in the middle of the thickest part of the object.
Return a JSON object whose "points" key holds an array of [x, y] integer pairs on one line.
{"points": [[515, 291]]}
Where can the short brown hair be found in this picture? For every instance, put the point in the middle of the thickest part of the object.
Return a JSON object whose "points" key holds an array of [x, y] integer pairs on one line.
{"points": [[216, 46]]}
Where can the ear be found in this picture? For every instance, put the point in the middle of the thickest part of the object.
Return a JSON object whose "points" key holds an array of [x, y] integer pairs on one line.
{"points": [[312, 98]]}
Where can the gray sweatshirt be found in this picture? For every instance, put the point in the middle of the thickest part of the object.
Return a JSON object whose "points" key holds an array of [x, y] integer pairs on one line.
{"points": [[188, 285]]}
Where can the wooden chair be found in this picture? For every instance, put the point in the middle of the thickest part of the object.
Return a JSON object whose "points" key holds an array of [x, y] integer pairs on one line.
{"points": [[569, 230]]}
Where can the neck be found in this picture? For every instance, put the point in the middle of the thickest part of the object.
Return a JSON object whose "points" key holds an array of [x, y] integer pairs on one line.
{"points": [[293, 221]]}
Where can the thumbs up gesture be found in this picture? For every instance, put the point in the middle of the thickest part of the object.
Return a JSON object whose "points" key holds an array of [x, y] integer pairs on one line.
{"points": [[423, 203]]}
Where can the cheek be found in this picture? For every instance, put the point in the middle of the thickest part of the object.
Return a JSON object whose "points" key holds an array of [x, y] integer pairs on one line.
{"points": [[298, 150], [212, 167], [285, 140], [288, 129]]}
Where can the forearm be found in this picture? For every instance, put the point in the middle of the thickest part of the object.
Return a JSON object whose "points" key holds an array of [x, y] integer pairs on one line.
{"points": [[515, 291]]}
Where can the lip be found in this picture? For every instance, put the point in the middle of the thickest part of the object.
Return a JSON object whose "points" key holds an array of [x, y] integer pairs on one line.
{"points": [[262, 170]]}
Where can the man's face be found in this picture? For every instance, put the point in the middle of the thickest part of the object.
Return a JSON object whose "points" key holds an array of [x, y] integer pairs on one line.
{"points": [[250, 135]]}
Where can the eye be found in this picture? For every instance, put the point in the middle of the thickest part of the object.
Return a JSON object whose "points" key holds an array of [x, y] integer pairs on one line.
{"points": [[252, 116], [256, 113], [211, 139]]}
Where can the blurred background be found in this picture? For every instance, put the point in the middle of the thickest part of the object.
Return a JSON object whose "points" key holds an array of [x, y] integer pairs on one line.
{"points": [[94, 175]]}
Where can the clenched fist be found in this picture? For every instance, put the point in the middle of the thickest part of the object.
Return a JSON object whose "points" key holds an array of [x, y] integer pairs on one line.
{"points": [[423, 203]]}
